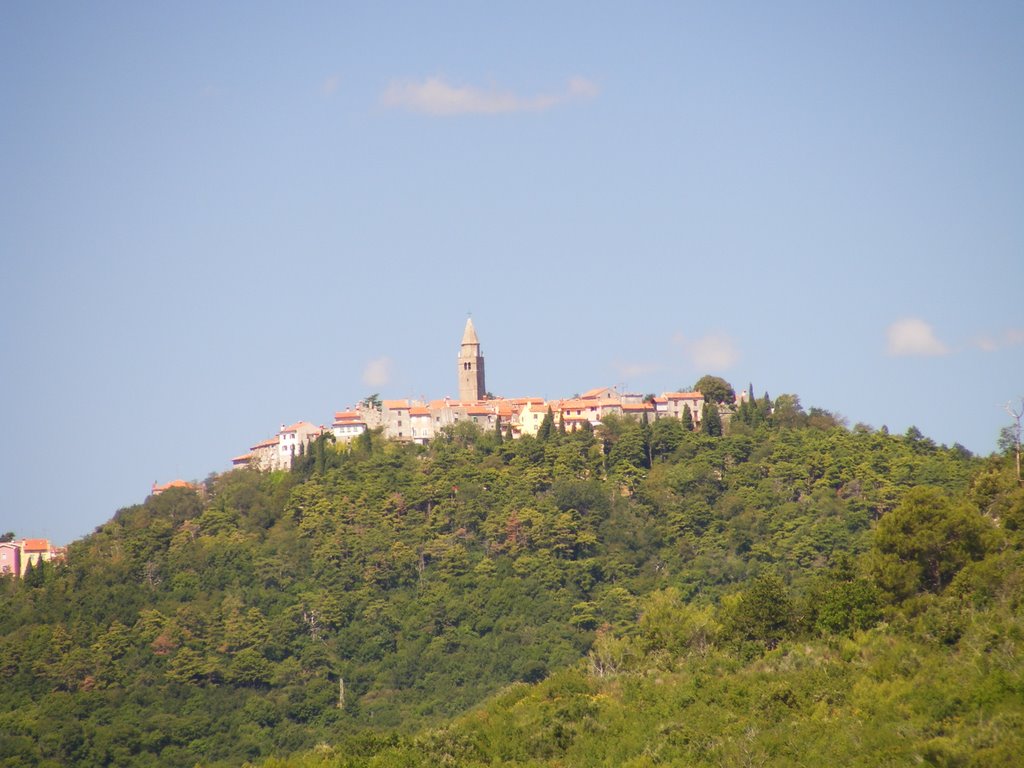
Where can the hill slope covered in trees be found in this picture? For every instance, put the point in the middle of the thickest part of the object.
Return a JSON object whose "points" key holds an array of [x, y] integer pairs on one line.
{"points": [[792, 591]]}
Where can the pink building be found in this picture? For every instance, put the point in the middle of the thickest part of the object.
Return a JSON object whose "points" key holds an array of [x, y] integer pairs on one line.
{"points": [[10, 559]]}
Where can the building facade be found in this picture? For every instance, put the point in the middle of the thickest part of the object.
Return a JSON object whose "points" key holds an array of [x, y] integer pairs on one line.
{"points": [[471, 366], [421, 421]]}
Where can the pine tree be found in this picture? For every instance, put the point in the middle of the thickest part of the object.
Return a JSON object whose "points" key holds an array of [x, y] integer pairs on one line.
{"points": [[497, 430]]}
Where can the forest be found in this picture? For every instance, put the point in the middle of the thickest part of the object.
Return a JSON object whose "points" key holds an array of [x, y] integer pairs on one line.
{"points": [[779, 589]]}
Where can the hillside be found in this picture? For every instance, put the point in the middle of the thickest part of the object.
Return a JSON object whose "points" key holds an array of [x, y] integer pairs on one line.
{"points": [[790, 588]]}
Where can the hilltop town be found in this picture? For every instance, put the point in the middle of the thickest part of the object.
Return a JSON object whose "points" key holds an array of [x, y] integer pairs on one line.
{"points": [[420, 421]]}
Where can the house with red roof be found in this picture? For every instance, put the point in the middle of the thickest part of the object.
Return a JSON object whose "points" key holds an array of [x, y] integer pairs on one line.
{"points": [[348, 425], [160, 488]]}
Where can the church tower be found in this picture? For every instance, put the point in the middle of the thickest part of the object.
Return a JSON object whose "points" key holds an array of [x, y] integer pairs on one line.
{"points": [[471, 366]]}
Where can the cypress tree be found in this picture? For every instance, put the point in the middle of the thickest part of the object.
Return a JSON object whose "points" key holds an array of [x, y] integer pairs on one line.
{"points": [[687, 419], [711, 421], [547, 426], [497, 430]]}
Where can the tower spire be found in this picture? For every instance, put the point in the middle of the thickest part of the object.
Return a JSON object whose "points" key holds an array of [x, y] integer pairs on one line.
{"points": [[471, 365], [469, 335]]}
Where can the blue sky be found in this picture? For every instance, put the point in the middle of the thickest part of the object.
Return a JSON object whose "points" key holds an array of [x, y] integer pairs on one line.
{"points": [[217, 219]]}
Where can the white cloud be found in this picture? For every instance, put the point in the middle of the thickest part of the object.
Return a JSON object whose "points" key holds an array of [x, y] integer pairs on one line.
{"points": [[715, 351], [1008, 338], [913, 337], [434, 96], [377, 372], [636, 370], [331, 84]]}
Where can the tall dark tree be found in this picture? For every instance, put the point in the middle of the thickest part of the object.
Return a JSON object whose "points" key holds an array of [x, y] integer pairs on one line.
{"points": [[547, 426], [687, 419], [711, 422]]}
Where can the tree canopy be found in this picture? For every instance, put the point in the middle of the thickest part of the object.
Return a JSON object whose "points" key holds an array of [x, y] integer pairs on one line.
{"points": [[787, 591], [715, 390]]}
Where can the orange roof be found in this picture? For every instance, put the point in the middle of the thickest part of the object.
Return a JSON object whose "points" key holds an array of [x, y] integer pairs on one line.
{"points": [[660, 400], [521, 400], [297, 426], [419, 410], [637, 407], [266, 443], [395, 405], [578, 403], [479, 410], [172, 484], [340, 415], [36, 545], [684, 396], [590, 394], [241, 459]]}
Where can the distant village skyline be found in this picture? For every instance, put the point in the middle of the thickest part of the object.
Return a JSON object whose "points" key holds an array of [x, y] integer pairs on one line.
{"points": [[420, 421]]}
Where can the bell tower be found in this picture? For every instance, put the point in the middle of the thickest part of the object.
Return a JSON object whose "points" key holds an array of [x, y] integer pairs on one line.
{"points": [[471, 366]]}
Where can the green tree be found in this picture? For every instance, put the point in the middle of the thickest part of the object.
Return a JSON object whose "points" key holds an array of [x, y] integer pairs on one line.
{"points": [[547, 426], [925, 541], [763, 612], [666, 436], [711, 422], [787, 411], [687, 419], [716, 390]]}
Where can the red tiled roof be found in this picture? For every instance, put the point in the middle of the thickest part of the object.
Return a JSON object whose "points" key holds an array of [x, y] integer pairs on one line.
{"points": [[684, 396], [297, 426], [266, 443], [346, 415], [173, 484], [36, 545], [242, 459], [577, 403], [419, 410], [395, 405]]}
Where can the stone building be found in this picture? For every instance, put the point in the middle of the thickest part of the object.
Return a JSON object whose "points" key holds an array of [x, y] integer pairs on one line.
{"points": [[471, 366]]}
